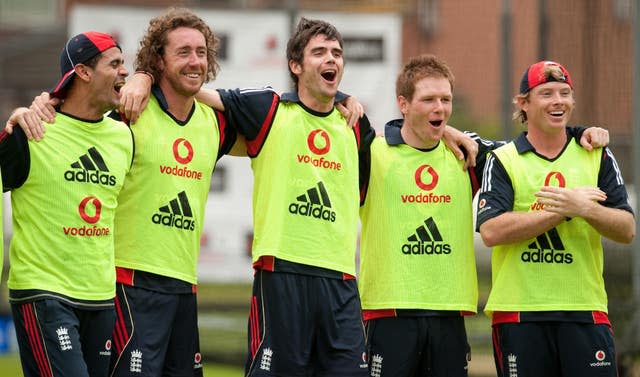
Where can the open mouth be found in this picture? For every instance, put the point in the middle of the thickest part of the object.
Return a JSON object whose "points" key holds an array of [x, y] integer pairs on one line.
{"points": [[556, 113], [329, 75], [118, 86], [435, 123]]}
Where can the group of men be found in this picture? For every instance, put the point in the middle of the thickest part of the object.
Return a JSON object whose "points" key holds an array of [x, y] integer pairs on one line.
{"points": [[104, 252]]}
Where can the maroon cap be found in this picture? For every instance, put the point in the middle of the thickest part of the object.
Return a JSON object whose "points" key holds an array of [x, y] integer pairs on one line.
{"points": [[80, 49], [536, 75]]}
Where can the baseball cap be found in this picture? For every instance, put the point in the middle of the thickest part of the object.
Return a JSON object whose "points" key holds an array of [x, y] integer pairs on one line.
{"points": [[80, 49], [537, 74]]}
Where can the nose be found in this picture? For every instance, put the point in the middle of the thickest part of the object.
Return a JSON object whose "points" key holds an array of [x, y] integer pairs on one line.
{"points": [[439, 107], [124, 71]]}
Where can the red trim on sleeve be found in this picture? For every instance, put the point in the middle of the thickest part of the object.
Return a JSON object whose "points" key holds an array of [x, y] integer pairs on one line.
{"points": [[475, 186], [222, 127], [124, 275], [253, 146], [356, 131], [266, 263], [378, 313], [346, 276], [3, 134], [505, 317]]}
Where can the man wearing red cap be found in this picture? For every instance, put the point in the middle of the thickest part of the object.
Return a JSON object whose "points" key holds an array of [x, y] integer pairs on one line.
{"points": [[64, 196], [160, 212], [544, 205]]}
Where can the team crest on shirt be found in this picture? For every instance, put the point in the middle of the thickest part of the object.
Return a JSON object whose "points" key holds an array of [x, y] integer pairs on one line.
{"points": [[135, 363], [64, 339], [376, 365], [265, 361]]}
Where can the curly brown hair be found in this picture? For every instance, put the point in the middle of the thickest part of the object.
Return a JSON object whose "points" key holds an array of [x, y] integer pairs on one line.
{"points": [[306, 30], [155, 39]]}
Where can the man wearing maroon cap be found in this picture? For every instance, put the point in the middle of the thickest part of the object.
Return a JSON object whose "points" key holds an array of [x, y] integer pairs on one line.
{"points": [[544, 205], [64, 196]]}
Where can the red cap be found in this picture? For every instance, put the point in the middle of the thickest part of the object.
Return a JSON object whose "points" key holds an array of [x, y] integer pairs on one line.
{"points": [[80, 49], [538, 73]]}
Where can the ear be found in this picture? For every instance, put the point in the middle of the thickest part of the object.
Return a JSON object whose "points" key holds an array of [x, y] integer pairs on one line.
{"points": [[295, 67], [523, 103], [83, 72], [403, 105]]}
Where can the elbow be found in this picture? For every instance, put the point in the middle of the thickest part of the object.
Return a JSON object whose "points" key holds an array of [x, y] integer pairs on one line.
{"points": [[488, 237], [628, 237]]}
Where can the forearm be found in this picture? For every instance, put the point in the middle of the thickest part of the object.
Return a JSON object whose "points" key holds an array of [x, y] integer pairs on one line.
{"points": [[616, 224], [210, 97], [511, 227]]}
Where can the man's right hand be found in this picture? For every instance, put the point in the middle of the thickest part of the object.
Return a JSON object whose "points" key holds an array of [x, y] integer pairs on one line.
{"points": [[134, 96], [27, 119]]}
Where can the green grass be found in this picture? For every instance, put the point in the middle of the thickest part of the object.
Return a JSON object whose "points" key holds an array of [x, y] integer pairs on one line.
{"points": [[10, 366]]}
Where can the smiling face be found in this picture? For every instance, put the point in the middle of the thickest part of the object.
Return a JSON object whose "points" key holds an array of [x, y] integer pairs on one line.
{"points": [[548, 106], [320, 72], [107, 79], [184, 62], [427, 112]]}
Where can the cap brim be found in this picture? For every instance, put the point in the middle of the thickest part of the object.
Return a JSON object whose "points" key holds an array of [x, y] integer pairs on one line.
{"points": [[60, 91]]}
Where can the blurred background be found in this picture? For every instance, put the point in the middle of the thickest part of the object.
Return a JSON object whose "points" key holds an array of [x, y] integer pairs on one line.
{"points": [[488, 45]]}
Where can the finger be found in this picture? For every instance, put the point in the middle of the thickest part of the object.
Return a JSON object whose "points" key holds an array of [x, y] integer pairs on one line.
{"points": [[8, 127], [353, 119], [360, 110], [586, 143], [455, 148]]}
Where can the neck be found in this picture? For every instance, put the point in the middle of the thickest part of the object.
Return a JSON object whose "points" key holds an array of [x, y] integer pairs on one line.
{"points": [[322, 104], [80, 105], [545, 143], [180, 105]]}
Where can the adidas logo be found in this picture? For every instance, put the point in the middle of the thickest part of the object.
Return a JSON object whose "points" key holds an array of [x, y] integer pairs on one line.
{"points": [[90, 168], [426, 240], [177, 214], [314, 203], [545, 250]]}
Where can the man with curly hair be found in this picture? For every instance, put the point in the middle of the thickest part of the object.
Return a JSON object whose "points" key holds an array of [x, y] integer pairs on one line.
{"points": [[160, 210]]}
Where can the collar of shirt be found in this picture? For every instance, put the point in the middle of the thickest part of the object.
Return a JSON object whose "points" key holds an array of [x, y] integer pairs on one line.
{"points": [[523, 145]]}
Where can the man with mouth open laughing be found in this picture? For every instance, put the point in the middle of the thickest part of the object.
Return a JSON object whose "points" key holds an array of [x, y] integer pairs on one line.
{"points": [[64, 193], [305, 310], [417, 262], [544, 206], [160, 210]]}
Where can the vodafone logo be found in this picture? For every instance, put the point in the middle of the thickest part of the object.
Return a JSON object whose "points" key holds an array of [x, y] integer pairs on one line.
{"points": [[97, 208], [432, 175], [107, 345], [600, 355], [179, 152], [555, 176], [321, 147], [197, 358]]}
